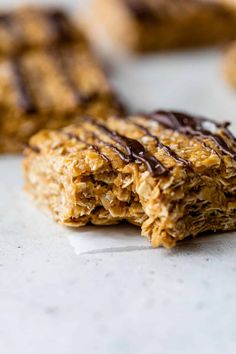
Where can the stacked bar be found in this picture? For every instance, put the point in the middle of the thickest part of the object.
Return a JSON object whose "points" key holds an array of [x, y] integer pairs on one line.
{"points": [[171, 173], [147, 25]]}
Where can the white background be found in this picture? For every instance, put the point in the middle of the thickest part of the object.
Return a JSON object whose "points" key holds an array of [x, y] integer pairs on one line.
{"points": [[104, 290]]}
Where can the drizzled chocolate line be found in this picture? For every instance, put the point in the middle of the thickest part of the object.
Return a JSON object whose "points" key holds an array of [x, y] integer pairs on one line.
{"points": [[207, 147], [144, 12], [14, 29], [122, 156], [33, 148], [164, 9], [25, 99], [114, 148], [193, 126], [62, 65], [228, 133], [60, 59], [162, 146], [60, 24], [140, 10], [5, 19], [137, 152], [134, 149], [94, 147]]}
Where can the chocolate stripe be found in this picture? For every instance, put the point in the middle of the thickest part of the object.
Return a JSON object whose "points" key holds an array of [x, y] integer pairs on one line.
{"points": [[193, 126], [62, 65], [33, 148], [5, 19], [134, 149], [59, 24], [163, 147], [94, 147], [60, 57], [162, 10], [228, 133], [14, 29], [140, 11], [25, 98], [121, 155]]}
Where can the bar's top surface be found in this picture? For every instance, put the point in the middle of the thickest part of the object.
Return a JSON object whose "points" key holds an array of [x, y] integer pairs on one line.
{"points": [[160, 143], [51, 80], [33, 26]]}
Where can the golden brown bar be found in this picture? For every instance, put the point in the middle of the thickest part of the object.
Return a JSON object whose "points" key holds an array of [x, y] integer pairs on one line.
{"points": [[170, 173], [36, 27], [147, 25], [46, 89]]}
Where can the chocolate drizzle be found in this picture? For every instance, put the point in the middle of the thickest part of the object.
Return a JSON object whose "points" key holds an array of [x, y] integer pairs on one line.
{"points": [[164, 147], [134, 150], [195, 126], [140, 11], [228, 133], [61, 58], [33, 148], [25, 99], [5, 19], [60, 25], [114, 148], [162, 10], [61, 62], [94, 147]]}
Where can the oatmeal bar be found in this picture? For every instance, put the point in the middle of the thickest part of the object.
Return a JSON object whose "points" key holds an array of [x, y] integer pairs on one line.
{"points": [[46, 88], [147, 25], [170, 173], [32, 27]]}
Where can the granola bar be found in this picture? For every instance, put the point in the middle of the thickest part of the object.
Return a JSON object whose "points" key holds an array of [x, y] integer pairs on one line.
{"points": [[46, 88], [147, 25], [170, 173], [33, 27]]}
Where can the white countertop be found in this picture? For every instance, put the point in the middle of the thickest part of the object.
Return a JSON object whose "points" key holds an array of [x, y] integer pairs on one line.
{"points": [[97, 291]]}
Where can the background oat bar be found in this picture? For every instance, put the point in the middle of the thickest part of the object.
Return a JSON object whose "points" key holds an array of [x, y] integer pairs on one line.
{"points": [[146, 25], [34, 27], [170, 173], [47, 88]]}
